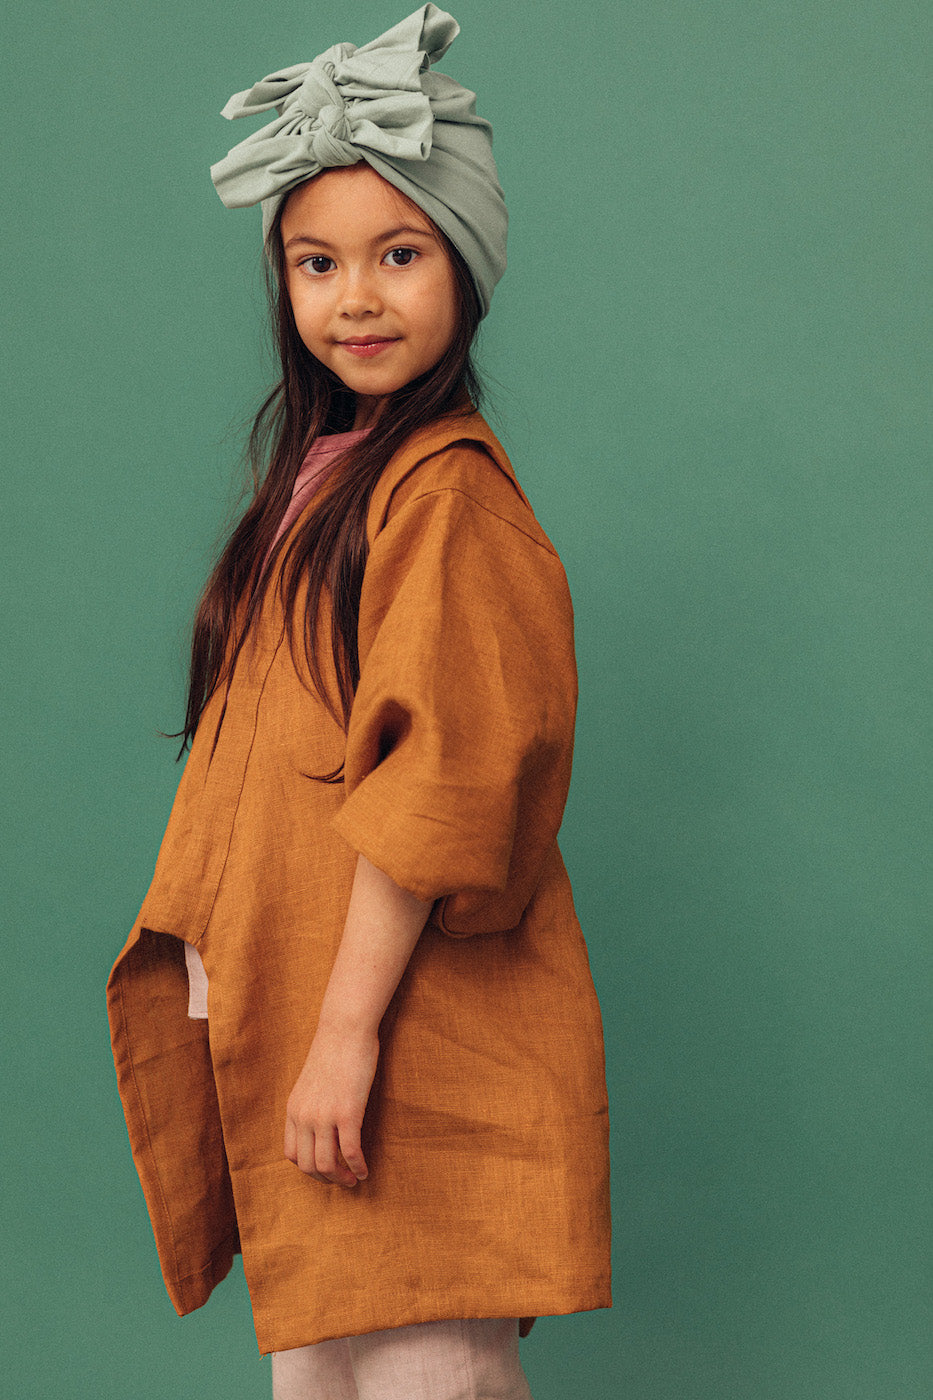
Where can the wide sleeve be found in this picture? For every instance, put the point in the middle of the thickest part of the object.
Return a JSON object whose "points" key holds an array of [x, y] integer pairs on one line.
{"points": [[460, 738]]}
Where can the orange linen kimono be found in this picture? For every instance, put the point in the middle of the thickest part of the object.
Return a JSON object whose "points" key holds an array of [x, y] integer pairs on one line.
{"points": [[486, 1130]]}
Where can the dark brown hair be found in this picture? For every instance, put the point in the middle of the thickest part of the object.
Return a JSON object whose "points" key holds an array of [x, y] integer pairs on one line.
{"points": [[327, 555]]}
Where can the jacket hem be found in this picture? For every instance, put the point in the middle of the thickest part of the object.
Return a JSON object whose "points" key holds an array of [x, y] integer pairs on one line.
{"points": [[285, 1336], [192, 1292]]}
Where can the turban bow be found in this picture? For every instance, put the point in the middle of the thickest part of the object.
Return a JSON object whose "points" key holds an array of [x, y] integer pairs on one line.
{"points": [[382, 104]]}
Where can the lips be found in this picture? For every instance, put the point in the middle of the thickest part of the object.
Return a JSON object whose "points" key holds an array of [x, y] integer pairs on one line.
{"points": [[366, 346]]}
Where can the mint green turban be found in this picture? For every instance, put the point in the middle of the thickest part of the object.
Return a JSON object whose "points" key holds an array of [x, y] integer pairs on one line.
{"points": [[379, 103]]}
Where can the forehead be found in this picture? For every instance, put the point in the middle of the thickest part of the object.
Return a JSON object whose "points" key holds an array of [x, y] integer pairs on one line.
{"points": [[351, 197]]}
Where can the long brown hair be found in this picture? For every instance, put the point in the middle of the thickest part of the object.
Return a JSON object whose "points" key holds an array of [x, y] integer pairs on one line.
{"points": [[327, 555]]}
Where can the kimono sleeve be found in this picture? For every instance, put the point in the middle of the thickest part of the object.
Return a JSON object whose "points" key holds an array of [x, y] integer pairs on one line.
{"points": [[460, 740]]}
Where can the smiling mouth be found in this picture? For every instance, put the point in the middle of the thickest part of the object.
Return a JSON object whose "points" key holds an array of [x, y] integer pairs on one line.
{"points": [[367, 345]]}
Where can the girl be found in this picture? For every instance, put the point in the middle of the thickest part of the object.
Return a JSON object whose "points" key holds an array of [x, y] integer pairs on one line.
{"points": [[354, 1027]]}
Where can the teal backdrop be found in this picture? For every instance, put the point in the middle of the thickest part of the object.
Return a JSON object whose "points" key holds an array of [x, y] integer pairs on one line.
{"points": [[707, 361]]}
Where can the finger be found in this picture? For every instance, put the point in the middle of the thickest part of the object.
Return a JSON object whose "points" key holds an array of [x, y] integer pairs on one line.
{"points": [[305, 1155], [329, 1162], [291, 1140], [351, 1149]]}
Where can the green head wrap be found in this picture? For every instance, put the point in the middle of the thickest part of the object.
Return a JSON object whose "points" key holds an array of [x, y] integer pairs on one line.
{"points": [[382, 104]]}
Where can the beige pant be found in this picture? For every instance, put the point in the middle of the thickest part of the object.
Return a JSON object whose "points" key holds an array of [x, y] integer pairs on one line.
{"points": [[476, 1359]]}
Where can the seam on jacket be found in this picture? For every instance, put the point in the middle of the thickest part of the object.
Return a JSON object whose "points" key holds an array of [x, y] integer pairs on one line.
{"points": [[459, 491], [480, 444], [476, 444]]}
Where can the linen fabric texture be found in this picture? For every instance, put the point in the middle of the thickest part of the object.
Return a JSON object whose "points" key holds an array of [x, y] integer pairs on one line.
{"points": [[382, 104], [486, 1131], [311, 474]]}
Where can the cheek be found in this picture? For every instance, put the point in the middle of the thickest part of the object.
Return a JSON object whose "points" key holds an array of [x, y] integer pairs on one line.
{"points": [[307, 317], [302, 300], [448, 321]]}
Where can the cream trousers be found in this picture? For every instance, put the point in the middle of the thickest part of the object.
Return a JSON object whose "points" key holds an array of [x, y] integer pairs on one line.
{"points": [[475, 1359]]}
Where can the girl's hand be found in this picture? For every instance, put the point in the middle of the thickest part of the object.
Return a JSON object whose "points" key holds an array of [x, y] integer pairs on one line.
{"points": [[324, 1117]]}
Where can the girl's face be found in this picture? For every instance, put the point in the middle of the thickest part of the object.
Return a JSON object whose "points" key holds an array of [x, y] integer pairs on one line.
{"points": [[371, 285]]}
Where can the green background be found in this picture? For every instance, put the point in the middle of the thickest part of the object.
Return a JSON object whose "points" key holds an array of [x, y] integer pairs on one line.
{"points": [[706, 360]]}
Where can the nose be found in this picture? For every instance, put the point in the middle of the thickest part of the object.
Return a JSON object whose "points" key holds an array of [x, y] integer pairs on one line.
{"points": [[358, 293]]}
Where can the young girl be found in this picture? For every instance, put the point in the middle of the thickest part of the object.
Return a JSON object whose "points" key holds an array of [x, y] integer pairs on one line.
{"points": [[355, 1031]]}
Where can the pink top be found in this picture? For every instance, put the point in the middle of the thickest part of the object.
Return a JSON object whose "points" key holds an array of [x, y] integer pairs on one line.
{"points": [[312, 473]]}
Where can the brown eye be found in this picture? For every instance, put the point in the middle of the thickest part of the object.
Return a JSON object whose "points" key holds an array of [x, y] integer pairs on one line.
{"points": [[313, 264], [401, 257]]}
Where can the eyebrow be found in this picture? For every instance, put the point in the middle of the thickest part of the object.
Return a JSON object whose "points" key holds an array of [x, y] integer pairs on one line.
{"points": [[380, 237]]}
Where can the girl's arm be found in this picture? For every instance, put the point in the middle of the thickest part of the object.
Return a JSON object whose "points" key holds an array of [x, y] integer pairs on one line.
{"points": [[324, 1117]]}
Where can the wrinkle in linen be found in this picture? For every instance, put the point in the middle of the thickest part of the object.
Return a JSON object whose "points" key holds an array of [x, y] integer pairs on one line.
{"points": [[461, 734]]}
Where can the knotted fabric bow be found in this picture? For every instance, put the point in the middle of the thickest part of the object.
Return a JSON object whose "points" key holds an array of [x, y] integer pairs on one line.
{"points": [[382, 104]]}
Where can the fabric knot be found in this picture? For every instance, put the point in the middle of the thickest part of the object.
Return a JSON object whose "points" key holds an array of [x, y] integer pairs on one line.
{"points": [[331, 138], [316, 91]]}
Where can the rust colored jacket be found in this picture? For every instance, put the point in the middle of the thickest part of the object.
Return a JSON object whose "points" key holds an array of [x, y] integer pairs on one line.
{"points": [[486, 1130]]}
